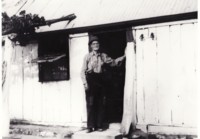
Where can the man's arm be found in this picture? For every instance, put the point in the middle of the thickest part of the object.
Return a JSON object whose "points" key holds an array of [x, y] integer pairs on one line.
{"points": [[83, 71], [113, 62]]}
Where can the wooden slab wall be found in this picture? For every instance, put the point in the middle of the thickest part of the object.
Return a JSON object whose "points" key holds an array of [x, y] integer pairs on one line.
{"points": [[166, 75]]}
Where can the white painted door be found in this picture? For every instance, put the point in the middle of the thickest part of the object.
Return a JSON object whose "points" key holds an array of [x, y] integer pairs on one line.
{"points": [[166, 75], [78, 50]]}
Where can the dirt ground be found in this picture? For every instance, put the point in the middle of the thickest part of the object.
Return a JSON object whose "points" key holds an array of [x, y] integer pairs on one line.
{"points": [[20, 131], [42, 132]]}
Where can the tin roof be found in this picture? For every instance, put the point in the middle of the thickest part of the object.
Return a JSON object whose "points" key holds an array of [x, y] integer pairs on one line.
{"points": [[98, 12]]}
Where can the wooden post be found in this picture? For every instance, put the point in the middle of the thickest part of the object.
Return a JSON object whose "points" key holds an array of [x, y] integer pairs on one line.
{"points": [[129, 114]]}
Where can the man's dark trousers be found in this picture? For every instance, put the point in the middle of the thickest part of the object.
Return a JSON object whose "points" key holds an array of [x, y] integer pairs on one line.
{"points": [[95, 100]]}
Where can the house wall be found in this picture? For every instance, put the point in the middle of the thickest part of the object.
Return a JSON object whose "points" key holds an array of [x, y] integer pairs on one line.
{"points": [[56, 103], [165, 87], [166, 74], [7, 51]]}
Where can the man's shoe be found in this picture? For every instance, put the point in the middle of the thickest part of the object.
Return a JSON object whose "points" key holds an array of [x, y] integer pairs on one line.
{"points": [[89, 130], [100, 129]]}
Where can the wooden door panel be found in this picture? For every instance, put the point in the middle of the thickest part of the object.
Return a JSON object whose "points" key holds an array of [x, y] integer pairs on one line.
{"points": [[166, 75]]}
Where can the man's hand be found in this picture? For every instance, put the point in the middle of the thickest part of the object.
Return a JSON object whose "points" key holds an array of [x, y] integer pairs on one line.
{"points": [[88, 71], [120, 60], [86, 87]]}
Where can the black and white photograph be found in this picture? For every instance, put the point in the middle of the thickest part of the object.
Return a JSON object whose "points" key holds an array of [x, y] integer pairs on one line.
{"points": [[99, 69]]}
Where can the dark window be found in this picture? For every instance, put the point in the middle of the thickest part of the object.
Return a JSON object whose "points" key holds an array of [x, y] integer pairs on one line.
{"points": [[54, 53]]}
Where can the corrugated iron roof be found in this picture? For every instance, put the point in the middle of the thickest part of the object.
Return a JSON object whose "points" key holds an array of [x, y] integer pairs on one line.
{"points": [[97, 12]]}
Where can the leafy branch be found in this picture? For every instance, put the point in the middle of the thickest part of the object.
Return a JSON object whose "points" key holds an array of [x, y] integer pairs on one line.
{"points": [[25, 24]]}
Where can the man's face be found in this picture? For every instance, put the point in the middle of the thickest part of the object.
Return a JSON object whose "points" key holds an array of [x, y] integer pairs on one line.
{"points": [[95, 46]]}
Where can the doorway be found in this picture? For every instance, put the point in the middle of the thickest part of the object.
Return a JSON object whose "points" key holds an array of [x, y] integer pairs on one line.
{"points": [[113, 44]]}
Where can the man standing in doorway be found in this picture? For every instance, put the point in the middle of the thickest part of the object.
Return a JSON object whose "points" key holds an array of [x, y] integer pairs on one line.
{"points": [[94, 82]]}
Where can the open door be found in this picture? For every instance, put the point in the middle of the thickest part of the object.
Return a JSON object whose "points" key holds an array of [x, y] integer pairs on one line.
{"points": [[113, 44]]}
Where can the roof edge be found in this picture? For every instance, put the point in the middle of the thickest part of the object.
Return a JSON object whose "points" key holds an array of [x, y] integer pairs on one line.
{"points": [[130, 23]]}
